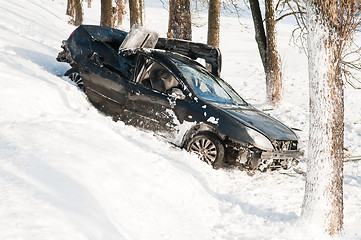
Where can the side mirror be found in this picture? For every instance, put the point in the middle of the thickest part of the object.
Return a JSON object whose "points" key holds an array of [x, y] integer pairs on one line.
{"points": [[177, 93]]}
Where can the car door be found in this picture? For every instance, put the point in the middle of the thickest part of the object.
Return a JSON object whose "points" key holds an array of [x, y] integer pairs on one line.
{"points": [[106, 82], [156, 100]]}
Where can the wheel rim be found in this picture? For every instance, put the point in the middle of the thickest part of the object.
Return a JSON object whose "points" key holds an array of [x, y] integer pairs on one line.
{"points": [[205, 148], [75, 77]]}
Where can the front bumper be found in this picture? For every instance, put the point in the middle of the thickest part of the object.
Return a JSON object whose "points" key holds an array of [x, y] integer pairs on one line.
{"points": [[282, 154]]}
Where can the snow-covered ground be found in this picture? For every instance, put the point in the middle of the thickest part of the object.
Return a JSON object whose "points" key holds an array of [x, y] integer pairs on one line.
{"points": [[69, 172]]}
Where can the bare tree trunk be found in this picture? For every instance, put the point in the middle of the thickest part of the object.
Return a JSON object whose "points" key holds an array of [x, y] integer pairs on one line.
{"points": [[70, 8], [213, 22], [70, 11], [141, 12], [136, 12], [89, 3], [179, 23], [267, 47], [78, 13], [260, 35], [273, 61], [106, 13], [119, 12], [323, 201]]}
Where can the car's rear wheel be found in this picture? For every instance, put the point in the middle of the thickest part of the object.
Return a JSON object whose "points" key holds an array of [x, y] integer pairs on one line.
{"points": [[208, 147], [77, 79]]}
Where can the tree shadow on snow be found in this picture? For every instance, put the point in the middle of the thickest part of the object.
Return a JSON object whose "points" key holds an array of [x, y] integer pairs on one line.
{"points": [[75, 202]]}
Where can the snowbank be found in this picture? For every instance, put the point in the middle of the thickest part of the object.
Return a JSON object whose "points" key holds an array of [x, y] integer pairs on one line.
{"points": [[69, 172]]}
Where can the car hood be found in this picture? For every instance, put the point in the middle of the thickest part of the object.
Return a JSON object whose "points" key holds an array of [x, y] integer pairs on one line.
{"points": [[270, 127]]}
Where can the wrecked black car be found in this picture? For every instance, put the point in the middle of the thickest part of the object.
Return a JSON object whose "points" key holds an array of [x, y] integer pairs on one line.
{"points": [[161, 85]]}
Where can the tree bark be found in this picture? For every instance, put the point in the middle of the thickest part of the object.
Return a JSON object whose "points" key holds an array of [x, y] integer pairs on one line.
{"points": [[273, 61], [136, 12], [78, 13], [141, 12], [119, 12], [74, 10], [260, 35], [267, 47], [213, 22], [179, 23], [70, 11], [70, 8], [323, 201], [106, 13]]}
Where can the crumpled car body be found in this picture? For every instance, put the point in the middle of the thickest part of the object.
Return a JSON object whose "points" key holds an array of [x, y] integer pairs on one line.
{"points": [[156, 84]]}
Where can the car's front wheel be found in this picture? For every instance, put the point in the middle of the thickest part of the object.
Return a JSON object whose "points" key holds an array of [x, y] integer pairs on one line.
{"points": [[208, 147]]}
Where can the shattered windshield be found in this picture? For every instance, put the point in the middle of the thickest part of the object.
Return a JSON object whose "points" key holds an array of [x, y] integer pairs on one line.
{"points": [[208, 86]]}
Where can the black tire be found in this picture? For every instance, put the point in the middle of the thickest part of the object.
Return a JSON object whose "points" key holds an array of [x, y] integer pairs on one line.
{"points": [[209, 148], [77, 79]]}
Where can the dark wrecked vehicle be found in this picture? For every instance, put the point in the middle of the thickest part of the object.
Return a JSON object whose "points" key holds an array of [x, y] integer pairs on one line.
{"points": [[156, 84]]}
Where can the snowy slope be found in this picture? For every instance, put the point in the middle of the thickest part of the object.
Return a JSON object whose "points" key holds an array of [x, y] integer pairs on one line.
{"points": [[69, 172]]}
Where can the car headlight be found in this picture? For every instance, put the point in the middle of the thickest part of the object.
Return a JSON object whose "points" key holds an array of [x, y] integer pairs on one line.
{"points": [[259, 139]]}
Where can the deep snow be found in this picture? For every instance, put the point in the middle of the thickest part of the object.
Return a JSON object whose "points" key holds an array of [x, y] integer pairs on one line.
{"points": [[69, 172]]}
